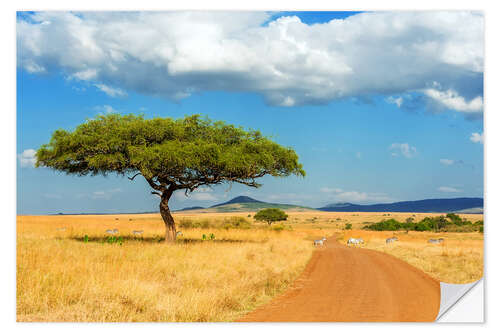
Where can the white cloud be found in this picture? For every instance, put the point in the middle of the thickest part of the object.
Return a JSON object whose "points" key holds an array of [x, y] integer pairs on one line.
{"points": [[404, 148], [105, 108], [395, 100], [446, 161], [477, 138], [110, 91], [450, 99], [362, 197], [175, 54], [448, 189], [27, 158], [339, 195], [330, 190], [105, 194], [200, 194]]}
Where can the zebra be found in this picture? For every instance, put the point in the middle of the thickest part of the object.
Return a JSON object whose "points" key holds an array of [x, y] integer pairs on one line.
{"points": [[355, 241], [436, 241], [137, 232], [114, 231], [318, 242], [391, 240], [61, 229], [178, 233]]}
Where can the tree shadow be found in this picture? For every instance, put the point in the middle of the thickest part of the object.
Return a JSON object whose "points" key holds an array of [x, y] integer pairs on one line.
{"points": [[157, 239]]}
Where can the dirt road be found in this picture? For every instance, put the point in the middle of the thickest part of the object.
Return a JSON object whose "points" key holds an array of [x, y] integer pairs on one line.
{"points": [[354, 284]]}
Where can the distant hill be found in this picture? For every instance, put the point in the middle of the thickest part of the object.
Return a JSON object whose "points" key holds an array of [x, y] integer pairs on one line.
{"points": [[238, 200], [463, 205], [190, 208], [245, 204]]}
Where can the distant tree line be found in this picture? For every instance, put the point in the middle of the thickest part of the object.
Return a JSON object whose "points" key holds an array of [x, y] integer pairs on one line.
{"points": [[449, 223]]}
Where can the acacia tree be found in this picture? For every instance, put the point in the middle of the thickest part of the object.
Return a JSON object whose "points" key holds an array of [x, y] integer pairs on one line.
{"points": [[171, 154]]}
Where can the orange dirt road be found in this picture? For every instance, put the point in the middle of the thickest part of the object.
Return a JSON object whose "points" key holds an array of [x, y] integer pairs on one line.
{"points": [[345, 284]]}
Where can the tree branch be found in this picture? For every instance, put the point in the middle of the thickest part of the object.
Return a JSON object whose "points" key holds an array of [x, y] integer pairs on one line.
{"points": [[132, 178], [157, 193], [154, 185]]}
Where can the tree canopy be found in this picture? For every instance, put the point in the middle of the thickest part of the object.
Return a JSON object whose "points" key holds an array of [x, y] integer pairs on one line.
{"points": [[188, 152], [270, 215]]}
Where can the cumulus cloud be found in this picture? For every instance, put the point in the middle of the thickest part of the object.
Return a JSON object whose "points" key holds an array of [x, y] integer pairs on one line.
{"points": [[200, 194], [27, 158], [450, 99], [446, 161], [404, 149], [477, 138], [175, 54], [448, 189]]}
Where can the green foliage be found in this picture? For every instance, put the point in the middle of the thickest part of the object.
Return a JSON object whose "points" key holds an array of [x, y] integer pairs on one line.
{"points": [[436, 224], [210, 237], [86, 239], [270, 215], [189, 152], [348, 226], [114, 240]]}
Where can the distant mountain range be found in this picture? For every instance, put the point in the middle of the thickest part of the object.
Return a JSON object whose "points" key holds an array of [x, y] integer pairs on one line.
{"points": [[243, 203], [461, 205], [248, 204]]}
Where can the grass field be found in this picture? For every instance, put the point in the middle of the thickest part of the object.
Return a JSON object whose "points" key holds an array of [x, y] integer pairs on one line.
{"points": [[62, 277]]}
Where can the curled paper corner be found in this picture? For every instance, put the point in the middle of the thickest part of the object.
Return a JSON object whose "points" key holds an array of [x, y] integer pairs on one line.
{"points": [[455, 302]]}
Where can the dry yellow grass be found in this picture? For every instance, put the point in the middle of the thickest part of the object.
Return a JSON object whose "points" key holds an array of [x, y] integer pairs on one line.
{"points": [[62, 278], [459, 259]]}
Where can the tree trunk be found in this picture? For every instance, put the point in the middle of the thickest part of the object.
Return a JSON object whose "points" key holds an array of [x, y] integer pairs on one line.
{"points": [[170, 232]]}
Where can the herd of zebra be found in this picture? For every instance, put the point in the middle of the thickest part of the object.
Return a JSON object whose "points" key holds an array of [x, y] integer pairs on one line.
{"points": [[135, 232], [318, 242]]}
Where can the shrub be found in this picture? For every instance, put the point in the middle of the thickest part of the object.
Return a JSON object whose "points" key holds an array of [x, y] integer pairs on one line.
{"points": [[270, 215], [348, 226]]}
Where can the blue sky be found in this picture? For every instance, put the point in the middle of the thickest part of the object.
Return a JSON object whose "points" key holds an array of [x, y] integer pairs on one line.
{"points": [[373, 111]]}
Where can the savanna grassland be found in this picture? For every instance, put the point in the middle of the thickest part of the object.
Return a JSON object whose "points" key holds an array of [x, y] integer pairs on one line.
{"points": [[69, 269]]}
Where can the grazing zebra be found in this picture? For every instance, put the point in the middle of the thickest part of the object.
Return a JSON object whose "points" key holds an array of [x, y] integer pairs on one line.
{"points": [[355, 241], [318, 242], [391, 240], [61, 229], [436, 241], [137, 232], [178, 233], [114, 231]]}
